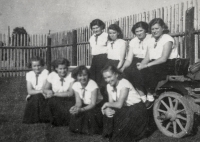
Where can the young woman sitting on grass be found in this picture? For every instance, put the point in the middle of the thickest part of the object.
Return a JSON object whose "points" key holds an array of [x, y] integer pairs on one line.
{"points": [[86, 114], [125, 114], [59, 91], [36, 110]]}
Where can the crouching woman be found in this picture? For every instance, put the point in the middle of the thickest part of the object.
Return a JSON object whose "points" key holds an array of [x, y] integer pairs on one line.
{"points": [[86, 116], [59, 92], [126, 116]]}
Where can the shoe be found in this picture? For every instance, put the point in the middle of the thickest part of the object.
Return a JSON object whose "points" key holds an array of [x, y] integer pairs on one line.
{"points": [[149, 104]]}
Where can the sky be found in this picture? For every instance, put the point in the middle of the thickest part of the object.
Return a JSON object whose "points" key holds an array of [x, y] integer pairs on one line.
{"points": [[40, 16]]}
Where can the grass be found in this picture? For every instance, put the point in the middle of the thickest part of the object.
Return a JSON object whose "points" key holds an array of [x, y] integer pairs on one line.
{"points": [[12, 104]]}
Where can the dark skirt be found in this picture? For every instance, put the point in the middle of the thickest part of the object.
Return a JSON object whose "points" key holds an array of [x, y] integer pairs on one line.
{"points": [[98, 63], [152, 75], [133, 75], [59, 108], [88, 122], [112, 62], [127, 125], [36, 110]]}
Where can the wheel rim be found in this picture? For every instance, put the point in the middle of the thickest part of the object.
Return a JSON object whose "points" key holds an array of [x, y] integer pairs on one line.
{"points": [[172, 116]]}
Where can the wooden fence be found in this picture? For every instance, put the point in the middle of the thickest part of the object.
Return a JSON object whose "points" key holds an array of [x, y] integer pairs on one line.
{"points": [[183, 21]]}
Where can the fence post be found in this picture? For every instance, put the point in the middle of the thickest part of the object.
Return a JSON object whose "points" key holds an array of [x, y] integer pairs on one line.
{"points": [[189, 35], [48, 57], [74, 47]]}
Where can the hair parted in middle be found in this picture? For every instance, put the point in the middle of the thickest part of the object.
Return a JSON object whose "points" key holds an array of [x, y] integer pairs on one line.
{"points": [[112, 69]]}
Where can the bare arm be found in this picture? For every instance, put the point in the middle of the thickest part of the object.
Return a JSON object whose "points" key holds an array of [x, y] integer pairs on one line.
{"points": [[93, 101], [122, 55], [119, 103], [31, 90], [167, 49]]}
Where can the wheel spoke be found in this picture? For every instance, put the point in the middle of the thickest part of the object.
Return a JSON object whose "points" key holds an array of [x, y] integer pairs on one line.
{"points": [[166, 106], [176, 105], [167, 127], [160, 110], [174, 126], [179, 111], [170, 103], [180, 125], [181, 117]]}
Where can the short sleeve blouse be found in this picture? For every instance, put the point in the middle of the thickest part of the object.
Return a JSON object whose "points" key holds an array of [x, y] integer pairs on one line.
{"points": [[57, 84], [85, 93], [139, 47], [31, 77], [156, 48], [133, 96], [115, 48], [99, 46]]}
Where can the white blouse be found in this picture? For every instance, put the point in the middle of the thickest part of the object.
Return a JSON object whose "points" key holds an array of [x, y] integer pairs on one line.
{"points": [[86, 93], [156, 48], [115, 48], [57, 84], [31, 77], [139, 48], [133, 96], [99, 46]]}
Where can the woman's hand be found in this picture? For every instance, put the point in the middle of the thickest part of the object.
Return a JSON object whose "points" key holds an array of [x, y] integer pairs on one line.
{"points": [[27, 97], [109, 112], [75, 110], [49, 94], [141, 66], [103, 108]]}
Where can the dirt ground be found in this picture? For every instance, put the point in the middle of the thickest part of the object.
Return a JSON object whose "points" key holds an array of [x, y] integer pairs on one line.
{"points": [[12, 104]]}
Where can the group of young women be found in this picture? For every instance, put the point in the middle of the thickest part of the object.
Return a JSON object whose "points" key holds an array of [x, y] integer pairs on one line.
{"points": [[111, 98]]}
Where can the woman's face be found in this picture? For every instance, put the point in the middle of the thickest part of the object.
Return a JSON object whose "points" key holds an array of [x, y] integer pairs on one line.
{"points": [[36, 67], [62, 70], [157, 30], [96, 30], [140, 33], [83, 77], [113, 34], [110, 77]]}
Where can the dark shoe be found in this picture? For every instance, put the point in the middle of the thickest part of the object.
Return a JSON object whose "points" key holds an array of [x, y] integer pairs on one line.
{"points": [[149, 104]]}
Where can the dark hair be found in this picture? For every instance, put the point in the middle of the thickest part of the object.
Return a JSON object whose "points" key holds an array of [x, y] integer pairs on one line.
{"points": [[60, 61], [78, 70], [113, 69], [141, 24], [161, 23], [97, 22], [117, 29], [35, 58]]}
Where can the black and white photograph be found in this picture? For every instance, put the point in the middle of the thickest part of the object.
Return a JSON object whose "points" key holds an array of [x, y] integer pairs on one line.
{"points": [[99, 70]]}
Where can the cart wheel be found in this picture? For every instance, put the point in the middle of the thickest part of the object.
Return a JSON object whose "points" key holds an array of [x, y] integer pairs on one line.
{"points": [[172, 115]]}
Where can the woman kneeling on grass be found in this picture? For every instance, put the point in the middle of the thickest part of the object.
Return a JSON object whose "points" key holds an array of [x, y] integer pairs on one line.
{"points": [[59, 91], [36, 110], [125, 114], [86, 114]]}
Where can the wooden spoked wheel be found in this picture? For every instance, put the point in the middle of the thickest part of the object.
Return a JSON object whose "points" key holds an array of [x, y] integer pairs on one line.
{"points": [[172, 115]]}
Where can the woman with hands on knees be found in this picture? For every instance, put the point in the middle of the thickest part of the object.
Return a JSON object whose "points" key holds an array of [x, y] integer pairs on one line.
{"points": [[116, 46], [86, 114], [137, 51], [160, 57], [125, 115], [59, 92], [36, 110]]}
